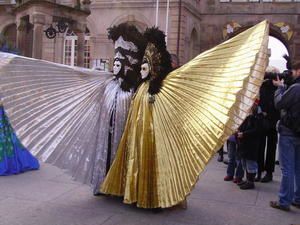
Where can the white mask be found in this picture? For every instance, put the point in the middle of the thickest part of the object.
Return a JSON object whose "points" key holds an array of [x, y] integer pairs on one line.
{"points": [[117, 67], [144, 70]]}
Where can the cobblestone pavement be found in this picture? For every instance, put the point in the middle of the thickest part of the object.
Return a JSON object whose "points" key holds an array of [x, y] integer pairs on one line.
{"points": [[50, 197]]}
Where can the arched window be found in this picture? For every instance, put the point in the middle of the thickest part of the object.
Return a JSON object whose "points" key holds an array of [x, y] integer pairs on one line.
{"points": [[194, 45], [71, 49]]}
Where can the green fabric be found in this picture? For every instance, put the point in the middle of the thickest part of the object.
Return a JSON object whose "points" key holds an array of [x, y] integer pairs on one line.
{"points": [[7, 137]]}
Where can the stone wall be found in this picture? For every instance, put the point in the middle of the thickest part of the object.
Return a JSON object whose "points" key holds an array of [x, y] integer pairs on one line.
{"points": [[6, 18], [215, 15]]}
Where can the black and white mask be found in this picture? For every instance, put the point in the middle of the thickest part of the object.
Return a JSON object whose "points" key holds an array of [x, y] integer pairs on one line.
{"points": [[117, 67]]}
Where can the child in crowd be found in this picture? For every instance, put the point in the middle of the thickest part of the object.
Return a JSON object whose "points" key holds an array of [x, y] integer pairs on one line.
{"points": [[248, 145], [235, 170]]}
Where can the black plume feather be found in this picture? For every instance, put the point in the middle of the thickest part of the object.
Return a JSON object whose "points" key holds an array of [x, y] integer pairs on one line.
{"points": [[129, 33], [157, 37]]}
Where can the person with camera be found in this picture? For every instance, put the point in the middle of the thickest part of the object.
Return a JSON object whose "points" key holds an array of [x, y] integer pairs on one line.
{"points": [[287, 99]]}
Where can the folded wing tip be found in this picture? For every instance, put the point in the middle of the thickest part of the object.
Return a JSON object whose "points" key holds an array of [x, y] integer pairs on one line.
{"points": [[5, 58]]}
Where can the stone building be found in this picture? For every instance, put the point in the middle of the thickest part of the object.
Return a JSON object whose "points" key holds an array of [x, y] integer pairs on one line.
{"points": [[191, 26]]}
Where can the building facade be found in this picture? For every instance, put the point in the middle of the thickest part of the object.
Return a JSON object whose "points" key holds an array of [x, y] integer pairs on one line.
{"points": [[191, 26]]}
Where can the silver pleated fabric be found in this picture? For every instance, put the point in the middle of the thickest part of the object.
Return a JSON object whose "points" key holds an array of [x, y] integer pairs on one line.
{"points": [[115, 106], [62, 114]]}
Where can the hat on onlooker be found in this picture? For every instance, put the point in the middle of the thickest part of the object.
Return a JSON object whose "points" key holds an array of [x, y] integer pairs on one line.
{"points": [[272, 69]]}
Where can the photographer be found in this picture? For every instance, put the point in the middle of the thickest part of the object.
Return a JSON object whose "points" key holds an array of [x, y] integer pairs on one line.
{"points": [[288, 101]]}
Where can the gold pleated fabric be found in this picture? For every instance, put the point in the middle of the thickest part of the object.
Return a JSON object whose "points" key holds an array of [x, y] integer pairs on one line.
{"points": [[167, 144]]}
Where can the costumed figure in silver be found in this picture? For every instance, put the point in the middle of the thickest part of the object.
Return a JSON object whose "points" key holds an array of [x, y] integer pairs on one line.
{"points": [[129, 50]]}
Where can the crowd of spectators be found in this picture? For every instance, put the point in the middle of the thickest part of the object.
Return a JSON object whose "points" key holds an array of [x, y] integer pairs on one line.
{"points": [[273, 124]]}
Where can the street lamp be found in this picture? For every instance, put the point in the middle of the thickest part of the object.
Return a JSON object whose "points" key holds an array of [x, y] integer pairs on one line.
{"points": [[51, 32]]}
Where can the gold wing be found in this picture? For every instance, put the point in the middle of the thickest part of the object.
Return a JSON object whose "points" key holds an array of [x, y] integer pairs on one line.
{"points": [[54, 110], [202, 103]]}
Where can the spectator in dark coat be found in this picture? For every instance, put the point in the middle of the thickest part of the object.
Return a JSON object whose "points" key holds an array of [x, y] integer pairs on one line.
{"points": [[248, 145], [271, 116]]}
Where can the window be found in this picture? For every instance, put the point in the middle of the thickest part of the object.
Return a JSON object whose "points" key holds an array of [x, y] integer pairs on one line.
{"points": [[71, 49], [101, 64], [194, 47], [87, 51]]}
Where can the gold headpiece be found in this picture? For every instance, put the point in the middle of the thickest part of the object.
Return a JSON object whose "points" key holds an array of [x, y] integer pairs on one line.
{"points": [[153, 57]]}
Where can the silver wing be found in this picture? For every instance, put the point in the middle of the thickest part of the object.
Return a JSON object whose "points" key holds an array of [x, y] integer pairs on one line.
{"points": [[54, 110]]}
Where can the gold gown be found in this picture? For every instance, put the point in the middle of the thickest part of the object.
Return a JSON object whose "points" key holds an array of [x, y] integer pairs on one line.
{"points": [[167, 144]]}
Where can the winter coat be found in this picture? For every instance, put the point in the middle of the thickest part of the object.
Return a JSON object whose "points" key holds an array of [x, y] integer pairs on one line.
{"points": [[287, 100], [266, 94], [249, 144]]}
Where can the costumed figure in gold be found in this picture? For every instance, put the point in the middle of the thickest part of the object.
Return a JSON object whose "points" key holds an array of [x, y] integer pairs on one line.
{"points": [[178, 121]]}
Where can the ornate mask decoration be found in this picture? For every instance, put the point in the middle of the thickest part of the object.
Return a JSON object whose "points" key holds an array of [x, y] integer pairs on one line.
{"points": [[156, 61], [153, 58]]}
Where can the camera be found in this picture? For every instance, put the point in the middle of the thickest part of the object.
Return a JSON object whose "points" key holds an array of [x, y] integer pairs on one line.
{"points": [[285, 75]]}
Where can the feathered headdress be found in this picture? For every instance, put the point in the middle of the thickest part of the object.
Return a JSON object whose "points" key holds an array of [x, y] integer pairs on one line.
{"points": [[158, 58], [129, 49], [127, 38]]}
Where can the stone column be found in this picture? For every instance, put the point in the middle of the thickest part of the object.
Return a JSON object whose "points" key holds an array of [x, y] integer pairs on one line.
{"points": [[38, 23], [21, 36], [80, 49], [79, 29], [59, 49]]}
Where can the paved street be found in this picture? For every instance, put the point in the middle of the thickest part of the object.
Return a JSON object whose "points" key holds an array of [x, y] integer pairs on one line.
{"points": [[50, 197]]}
